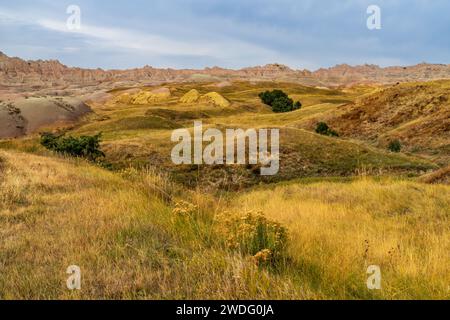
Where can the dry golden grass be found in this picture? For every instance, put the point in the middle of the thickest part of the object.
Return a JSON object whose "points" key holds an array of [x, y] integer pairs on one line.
{"points": [[440, 176], [130, 243], [57, 212], [339, 229]]}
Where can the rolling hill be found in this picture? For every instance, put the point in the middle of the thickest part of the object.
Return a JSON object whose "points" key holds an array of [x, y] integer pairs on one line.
{"points": [[139, 135], [417, 114]]}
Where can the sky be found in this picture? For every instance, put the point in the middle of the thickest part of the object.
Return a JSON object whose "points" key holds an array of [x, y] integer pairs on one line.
{"points": [[303, 34]]}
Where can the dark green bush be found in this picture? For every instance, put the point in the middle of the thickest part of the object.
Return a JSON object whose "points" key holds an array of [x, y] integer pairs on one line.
{"points": [[282, 104], [279, 101], [323, 129], [395, 146], [85, 146], [268, 97]]}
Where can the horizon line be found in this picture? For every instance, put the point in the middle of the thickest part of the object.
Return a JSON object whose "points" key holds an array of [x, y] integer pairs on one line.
{"points": [[230, 69]]}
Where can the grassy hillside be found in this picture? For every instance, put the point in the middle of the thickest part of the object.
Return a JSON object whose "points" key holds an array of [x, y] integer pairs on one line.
{"points": [[417, 114], [130, 241], [129, 244]]}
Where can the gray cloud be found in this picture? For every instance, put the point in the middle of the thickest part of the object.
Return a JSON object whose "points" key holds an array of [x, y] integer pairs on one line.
{"points": [[199, 33]]}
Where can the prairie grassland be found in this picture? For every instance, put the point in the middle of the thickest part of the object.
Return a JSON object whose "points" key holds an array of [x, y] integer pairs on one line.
{"points": [[116, 226], [338, 229], [57, 212]]}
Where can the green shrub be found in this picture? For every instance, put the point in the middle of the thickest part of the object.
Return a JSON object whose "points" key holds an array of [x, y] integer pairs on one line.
{"points": [[268, 97], [282, 104], [323, 129], [279, 101], [395, 146], [254, 234], [85, 146]]}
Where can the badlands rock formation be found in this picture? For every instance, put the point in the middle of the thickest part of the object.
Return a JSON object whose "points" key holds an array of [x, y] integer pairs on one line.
{"points": [[209, 98], [215, 99], [18, 73], [26, 116], [190, 97], [143, 97]]}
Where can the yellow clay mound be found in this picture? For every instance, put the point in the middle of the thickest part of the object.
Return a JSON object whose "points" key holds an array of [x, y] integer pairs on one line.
{"points": [[123, 98], [215, 98], [145, 97], [190, 97], [142, 97]]}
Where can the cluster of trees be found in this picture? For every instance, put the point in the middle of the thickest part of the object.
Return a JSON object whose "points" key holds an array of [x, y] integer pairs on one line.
{"points": [[279, 101], [85, 146]]}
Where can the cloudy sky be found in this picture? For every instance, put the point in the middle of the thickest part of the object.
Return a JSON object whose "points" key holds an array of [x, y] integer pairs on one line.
{"points": [[229, 33]]}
